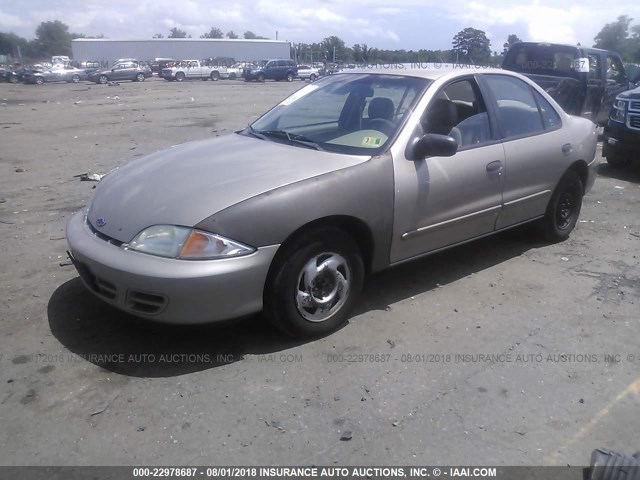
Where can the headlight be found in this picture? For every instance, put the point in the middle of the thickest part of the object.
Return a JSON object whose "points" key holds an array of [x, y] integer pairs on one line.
{"points": [[619, 110], [186, 243]]}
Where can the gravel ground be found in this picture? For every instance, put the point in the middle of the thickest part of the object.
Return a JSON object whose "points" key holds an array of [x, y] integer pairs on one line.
{"points": [[84, 384]]}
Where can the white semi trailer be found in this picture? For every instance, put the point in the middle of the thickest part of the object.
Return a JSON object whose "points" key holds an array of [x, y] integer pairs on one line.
{"points": [[106, 51]]}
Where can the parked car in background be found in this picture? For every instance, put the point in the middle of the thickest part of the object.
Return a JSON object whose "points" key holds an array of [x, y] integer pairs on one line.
{"points": [[193, 70], [584, 81], [160, 63], [57, 74], [353, 174], [276, 69], [633, 72], [8, 74], [305, 72], [129, 70], [235, 70], [621, 144]]}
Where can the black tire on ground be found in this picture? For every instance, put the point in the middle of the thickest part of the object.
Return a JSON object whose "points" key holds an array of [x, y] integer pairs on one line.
{"points": [[232, 76], [215, 76], [323, 265], [103, 79], [13, 79], [180, 77], [75, 78], [312, 77], [39, 80], [290, 77], [616, 160], [140, 77], [564, 207], [260, 77]]}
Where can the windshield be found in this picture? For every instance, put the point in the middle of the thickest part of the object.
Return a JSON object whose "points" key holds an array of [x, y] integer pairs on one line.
{"points": [[345, 113], [542, 59]]}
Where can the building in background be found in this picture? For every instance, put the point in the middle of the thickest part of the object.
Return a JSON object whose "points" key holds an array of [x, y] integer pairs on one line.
{"points": [[106, 51]]}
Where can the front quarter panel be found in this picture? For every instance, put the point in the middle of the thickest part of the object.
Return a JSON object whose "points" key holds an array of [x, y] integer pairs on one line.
{"points": [[363, 192]]}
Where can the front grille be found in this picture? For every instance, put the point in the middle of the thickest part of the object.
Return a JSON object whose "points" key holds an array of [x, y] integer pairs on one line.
{"points": [[634, 121], [634, 105], [147, 303], [102, 236]]}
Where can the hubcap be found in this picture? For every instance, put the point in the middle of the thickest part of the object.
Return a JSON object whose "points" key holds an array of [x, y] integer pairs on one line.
{"points": [[566, 207], [323, 287]]}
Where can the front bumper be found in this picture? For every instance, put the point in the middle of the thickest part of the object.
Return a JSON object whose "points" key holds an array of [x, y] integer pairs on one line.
{"points": [[621, 139], [165, 289]]}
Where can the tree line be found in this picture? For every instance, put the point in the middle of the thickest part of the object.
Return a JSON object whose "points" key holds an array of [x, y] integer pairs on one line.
{"points": [[469, 45]]}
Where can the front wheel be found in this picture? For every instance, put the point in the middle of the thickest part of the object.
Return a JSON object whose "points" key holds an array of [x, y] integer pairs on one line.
{"points": [[290, 77], [260, 77], [180, 77], [564, 208], [140, 77], [75, 79], [39, 80], [315, 283], [312, 77], [103, 79]]}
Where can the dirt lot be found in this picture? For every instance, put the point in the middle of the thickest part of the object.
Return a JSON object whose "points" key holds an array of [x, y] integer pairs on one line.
{"points": [[84, 384]]}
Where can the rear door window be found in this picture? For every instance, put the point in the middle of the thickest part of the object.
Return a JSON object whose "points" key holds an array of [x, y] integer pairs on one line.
{"points": [[517, 109]]}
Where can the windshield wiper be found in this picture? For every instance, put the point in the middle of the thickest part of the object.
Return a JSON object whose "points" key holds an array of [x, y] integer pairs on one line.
{"points": [[254, 132], [291, 137]]}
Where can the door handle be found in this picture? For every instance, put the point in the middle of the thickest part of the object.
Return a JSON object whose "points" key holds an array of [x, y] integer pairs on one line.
{"points": [[566, 148], [493, 166]]}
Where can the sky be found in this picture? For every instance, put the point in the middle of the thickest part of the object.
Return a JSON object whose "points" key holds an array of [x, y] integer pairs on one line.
{"points": [[401, 24]]}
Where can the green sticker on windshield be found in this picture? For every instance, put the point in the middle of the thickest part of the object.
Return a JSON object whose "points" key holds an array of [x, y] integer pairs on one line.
{"points": [[371, 141]]}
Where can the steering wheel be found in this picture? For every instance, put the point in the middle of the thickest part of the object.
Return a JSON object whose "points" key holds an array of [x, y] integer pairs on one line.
{"points": [[382, 125]]}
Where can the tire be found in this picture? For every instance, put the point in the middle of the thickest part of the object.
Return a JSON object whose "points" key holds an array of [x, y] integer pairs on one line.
{"points": [[616, 160], [13, 79], [312, 77], [290, 77], [75, 79], [260, 77], [232, 76], [564, 208], [180, 77], [103, 79], [289, 301], [39, 80], [215, 76], [140, 77]]}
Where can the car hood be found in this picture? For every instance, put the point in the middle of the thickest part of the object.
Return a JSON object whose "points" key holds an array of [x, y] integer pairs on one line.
{"points": [[185, 184], [631, 94]]}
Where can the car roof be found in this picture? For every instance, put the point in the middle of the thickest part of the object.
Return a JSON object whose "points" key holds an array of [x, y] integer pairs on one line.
{"points": [[431, 71]]}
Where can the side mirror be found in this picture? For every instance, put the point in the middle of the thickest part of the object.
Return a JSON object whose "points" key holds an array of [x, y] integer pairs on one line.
{"points": [[433, 145]]}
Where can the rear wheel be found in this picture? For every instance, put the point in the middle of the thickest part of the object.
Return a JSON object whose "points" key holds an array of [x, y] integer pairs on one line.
{"points": [[140, 77], [103, 79], [39, 80], [75, 78], [215, 76], [232, 76], [260, 77], [315, 283], [290, 77], [312, 77], [564, 208]]}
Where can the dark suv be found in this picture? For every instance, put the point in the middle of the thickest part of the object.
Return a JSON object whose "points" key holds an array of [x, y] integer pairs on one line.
{"points": [[622, 133], [276, 69], [584, 81]]}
